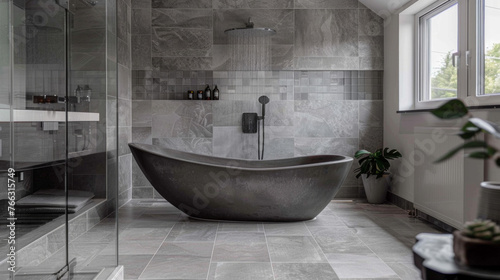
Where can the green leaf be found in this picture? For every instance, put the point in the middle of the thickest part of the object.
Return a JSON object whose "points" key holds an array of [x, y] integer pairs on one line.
{"points": [[452, 109], [468, 145], [360, 153], [469, 130], [487, 126], [498, 162], [479, 155]]}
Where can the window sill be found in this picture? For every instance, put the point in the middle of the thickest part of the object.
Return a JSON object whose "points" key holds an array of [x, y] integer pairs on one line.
{"points": [[482, 107]]}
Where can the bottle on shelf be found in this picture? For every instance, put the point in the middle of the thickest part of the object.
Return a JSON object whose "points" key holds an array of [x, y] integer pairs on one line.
{"points": [[215, 93], [199, 95], [208, 93], [190, 95]]}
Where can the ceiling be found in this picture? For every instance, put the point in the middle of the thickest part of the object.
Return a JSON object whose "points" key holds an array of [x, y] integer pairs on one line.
{"points": [[384, 7]]}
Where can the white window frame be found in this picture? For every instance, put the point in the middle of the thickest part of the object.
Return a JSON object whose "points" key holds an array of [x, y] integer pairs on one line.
{"points": [[470, 40]]}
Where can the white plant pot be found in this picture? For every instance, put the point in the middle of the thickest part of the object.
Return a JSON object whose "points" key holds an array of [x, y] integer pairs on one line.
{"points": [[489, 202], [376, 189]]}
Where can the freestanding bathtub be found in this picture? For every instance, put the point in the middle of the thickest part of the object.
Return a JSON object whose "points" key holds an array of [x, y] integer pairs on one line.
{"points": [[206, 187]]}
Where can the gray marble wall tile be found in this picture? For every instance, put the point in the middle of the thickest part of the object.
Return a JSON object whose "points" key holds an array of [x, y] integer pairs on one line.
{"points": [[192, 145], [230, 142], [142, 193], [181, 42], [125, 137], [281, 20], [282, 57], [221, 59], [329, 146], [124, 174], [124, 84], [371, 63], [89, 40], [371, 46], [183, 18], [185, 119], [142, 135], [371, 113], [279, 113], [122, 12], [370, 24], [276, 148], [123, 53], [229, 112], [326, 4], [138, 178], [124, 109], [141, 52], [328, 63], [371, 138], [182, 63], [141, 113], [326, 119], [141, 21], [326, 33], [252, 4], [172, 4], [140, 4]]}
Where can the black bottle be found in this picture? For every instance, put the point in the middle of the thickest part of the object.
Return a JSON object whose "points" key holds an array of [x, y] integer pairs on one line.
{"points": [[215, 93], [199, 95], [208, 93], [190, 95]]}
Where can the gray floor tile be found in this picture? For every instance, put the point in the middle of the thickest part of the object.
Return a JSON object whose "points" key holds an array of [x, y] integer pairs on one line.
{"points": [[240, 247], [390, 250], [361, 270], [338, 240], [294, 249], [193, 231], [176, 267], [303, 271], [187, 249], [134, 247], [406, 271], [133, 264], [155, 221], [241, 227], [288, 229], [243, 271], [144, 234]]}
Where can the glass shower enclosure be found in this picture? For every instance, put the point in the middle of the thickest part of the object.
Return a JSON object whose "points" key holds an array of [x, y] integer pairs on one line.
{"points": [[58, 139]]}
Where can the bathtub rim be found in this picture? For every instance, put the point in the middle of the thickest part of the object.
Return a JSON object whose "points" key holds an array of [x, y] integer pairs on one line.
{"points": [[139, 146]]}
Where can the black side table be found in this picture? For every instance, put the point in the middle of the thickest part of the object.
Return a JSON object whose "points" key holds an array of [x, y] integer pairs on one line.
{"points": [[433, 255]]}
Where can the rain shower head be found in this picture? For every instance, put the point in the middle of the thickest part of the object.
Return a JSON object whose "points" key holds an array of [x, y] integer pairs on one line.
{"points": [[250, 30]]}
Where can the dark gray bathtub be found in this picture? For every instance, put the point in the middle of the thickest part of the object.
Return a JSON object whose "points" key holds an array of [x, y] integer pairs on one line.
{"points": [[294, 189]]}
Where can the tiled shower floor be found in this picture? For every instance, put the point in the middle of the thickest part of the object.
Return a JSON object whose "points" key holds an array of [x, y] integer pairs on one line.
{"points": [[347, 241]]}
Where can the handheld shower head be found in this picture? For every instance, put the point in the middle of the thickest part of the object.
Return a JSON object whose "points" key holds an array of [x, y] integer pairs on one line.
{"points": [[263, 100]]}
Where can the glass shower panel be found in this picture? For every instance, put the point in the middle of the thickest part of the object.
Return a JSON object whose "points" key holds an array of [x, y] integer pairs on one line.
{"points": [[58, 122]]}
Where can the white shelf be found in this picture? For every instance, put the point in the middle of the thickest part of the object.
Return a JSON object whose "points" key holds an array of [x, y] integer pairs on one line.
{"points": [[47, 116]]}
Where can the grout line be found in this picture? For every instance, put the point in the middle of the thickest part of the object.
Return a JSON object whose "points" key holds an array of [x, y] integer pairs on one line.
{"points": [[268, 252], [213, 249], [164, 239]]}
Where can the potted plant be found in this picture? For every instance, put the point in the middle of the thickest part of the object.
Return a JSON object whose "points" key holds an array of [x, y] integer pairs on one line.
{"points": [[373, 169], [478, 244]]}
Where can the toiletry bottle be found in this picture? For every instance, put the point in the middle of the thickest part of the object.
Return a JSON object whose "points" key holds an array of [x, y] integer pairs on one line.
{"points": [[215, 93], [208, 93], [199, 95], [190, 95]]}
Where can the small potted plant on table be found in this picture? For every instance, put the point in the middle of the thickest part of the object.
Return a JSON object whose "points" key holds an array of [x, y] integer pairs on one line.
{"points": [[373, 169]]}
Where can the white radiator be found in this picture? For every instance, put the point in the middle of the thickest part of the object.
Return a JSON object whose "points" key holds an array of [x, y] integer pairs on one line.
{"points": [[447, 191]]}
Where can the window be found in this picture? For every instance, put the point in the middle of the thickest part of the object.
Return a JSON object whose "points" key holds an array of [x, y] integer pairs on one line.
{"points": [[489, 48], [458, 53]]}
